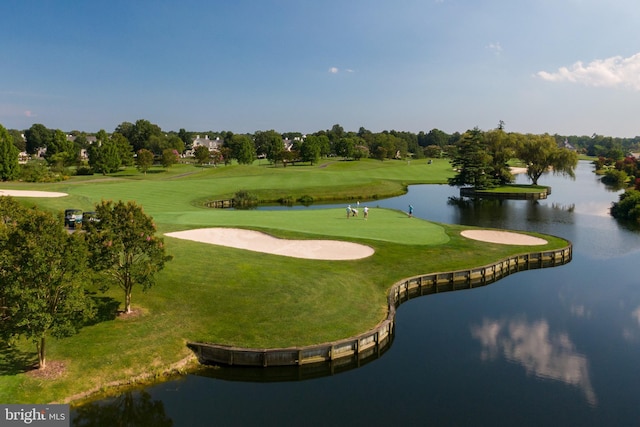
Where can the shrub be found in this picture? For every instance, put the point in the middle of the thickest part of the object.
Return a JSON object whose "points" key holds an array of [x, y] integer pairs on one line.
{"points": [[37, 171], [84, 170], [286, 200], [243, 199], [306, 200], [628, 208], [615, 177]]}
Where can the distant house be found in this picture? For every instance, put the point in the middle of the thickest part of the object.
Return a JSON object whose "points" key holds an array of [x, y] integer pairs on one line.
{"points": [[211, 144], [568, 146], [90, 141]]}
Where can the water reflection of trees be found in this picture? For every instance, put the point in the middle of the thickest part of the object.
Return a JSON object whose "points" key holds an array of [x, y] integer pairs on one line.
{"points": [[540, 352], [131, 408], [516, 214]]}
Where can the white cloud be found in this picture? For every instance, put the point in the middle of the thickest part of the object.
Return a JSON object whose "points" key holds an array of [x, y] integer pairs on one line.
{"points": [[610, 72], [636, 315], [537, 349], [334, 70], [495, 48]]}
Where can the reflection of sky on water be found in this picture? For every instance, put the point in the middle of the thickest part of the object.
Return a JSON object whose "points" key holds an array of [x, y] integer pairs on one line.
{"points": [[632, 334], [540, 352]]}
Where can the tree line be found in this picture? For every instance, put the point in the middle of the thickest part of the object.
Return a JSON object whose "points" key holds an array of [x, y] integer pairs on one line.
{"points": [[143, 144]]}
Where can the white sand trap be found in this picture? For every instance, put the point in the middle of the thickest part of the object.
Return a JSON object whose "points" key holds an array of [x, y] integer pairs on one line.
{"points": [[25, 193], [503, 237], [260, 242]]}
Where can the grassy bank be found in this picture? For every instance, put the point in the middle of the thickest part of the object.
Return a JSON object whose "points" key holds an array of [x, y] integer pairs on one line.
{"points": [[236, 297]]}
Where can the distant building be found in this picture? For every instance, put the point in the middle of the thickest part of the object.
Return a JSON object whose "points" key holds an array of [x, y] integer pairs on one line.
{"points": [[211, 144]]}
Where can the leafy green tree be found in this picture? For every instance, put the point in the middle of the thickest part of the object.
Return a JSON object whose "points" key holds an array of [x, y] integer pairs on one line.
{"points": [[344, 147], [104, 158], [174, 142], [18, 140], [123, 247], [541, 153], [242, 149], [8, 156], [170, 157], [310, 149], [144, 160], [473, 162], [227, 155], [433, 137], [42, 272], [360, 152], [383, 146], [615, 178], [501, 147], [37, 136], [185, 137], [202, 154], [61, 150], [139, 134], [627, 207], [125, 149], [270, 144]]}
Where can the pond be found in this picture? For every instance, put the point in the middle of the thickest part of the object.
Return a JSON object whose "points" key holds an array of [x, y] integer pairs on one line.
{"points": [[557, 346]]}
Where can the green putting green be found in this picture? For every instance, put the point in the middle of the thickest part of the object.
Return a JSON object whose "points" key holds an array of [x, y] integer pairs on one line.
{"points": [[382, 224]]}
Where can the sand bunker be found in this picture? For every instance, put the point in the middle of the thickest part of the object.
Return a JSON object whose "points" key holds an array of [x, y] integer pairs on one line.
{"points": [[260, 242], [503, 237], [25, 193]]}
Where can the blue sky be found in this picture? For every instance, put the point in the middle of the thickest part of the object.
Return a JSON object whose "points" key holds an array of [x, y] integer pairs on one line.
{"points": [[556, 66]]}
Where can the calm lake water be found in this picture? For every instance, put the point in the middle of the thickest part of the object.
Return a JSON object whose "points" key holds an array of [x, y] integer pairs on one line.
{"points": [[552, 347]]}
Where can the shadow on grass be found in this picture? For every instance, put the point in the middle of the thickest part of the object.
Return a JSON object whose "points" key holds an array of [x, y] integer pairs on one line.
{"points": [[106, 309], [14, 361]]}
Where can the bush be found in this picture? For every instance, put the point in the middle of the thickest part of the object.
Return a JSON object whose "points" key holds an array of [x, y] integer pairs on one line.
{"points": [[84, 170], [614, 177], [306, 200], [628, 208], [286, 200], [37, 171], [243, 199]]}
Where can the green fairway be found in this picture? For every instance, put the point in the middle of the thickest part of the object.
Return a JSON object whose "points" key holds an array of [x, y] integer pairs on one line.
{"points": [[237, 297]]}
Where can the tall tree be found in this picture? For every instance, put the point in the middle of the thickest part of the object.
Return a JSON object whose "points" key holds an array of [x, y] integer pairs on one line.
{"points": [[144, 160], [270, 144], [541, 153], [501, 147], [243, 149], [139, 134], [8, 156], [310, 149], [104, 155], [42, 272], [185, 137], [473, 162], [202, 154], [18, 139], [124, 248], [37, 136], [61, 150], [125, 149], [170, 157]]}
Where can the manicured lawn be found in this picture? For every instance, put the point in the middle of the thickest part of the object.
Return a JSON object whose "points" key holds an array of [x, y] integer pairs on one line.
{"points": [[517, 188], [230, 296]]}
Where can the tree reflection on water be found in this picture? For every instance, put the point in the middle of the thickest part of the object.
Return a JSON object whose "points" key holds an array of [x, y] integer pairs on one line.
{"points": [[131, 408]]}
